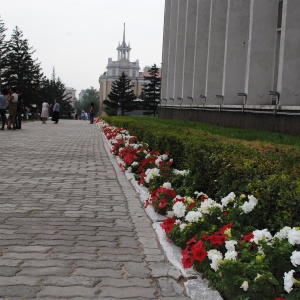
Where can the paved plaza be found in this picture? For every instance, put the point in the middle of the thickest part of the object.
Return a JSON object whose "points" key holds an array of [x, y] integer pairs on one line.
{"points": [[71, 224]]}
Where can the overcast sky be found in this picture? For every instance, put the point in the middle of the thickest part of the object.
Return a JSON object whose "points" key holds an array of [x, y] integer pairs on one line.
{"points": [[78, 36]]}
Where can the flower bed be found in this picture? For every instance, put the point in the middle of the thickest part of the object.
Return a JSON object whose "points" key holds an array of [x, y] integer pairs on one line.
{"points": [[217, 237]]}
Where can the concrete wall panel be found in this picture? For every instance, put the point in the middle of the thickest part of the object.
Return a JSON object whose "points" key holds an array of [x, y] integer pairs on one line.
{"points": [[216, 50], [237, 36]]}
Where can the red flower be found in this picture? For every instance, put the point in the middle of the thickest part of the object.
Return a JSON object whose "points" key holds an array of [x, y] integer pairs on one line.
{"points": [[279, 298], [199, 253], [163, 203], [168, 224], [192, 240], [248, 237], [191, 206], [187, 259], [215, 239], [225, 227], [146, 204]]}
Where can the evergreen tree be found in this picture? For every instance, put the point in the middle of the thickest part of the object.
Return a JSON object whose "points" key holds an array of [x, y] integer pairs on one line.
{"points": [[2, 48], [20, 70], [53, 89], [151, 90], [121, 96], [91, 95]]}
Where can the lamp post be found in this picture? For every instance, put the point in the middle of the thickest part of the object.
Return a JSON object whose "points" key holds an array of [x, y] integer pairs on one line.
{"points": [[203, 97], [191, 98]]}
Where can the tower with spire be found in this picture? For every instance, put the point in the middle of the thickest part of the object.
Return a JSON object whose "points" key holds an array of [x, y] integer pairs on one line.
{"points": [[115, 68], [123, 49]]}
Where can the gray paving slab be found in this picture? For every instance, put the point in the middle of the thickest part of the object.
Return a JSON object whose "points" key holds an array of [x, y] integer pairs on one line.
{"points": [[71, 225]]}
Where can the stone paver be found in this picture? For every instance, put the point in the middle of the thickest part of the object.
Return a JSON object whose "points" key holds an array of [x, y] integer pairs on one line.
{"points": [[71, 225]]}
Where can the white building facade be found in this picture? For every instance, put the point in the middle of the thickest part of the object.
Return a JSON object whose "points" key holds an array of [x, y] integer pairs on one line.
{"points": [[115, 69], [232, 54]]}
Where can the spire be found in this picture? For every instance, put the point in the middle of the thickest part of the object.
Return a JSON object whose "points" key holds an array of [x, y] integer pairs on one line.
{"points": [[124, 43]]}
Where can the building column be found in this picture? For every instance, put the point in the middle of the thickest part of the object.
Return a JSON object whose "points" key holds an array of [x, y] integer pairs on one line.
{"points": [[236, 47], [172, 53], [216, 51], [189, 52], [261, 51], [180, 50], [166, 50], [289, 59], [201, 50]]}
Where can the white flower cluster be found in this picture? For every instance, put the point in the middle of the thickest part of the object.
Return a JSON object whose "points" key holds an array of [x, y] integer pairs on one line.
{"points": [[208, 205], [193, 216], [182, 173], [229, 198], [261, 235], [151, 173], [248, 206], [179, 209], [216, 258]]}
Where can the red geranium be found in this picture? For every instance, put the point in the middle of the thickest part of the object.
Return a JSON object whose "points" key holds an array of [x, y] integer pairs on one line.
{"points": [[168, 224]]}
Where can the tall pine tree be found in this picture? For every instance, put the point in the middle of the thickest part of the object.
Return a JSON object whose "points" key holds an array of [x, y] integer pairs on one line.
{"points": [[151, 90], [20, 70], [121, 96], [2, 48]]}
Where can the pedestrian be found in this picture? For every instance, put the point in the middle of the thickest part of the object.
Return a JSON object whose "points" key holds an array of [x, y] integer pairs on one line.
{"points": [[92, 113], [55, 114], [3, 106], [19, 111], [12, 108], [45, 112]]}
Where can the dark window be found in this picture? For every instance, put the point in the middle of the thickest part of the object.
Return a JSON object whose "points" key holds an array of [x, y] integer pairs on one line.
{"points": [[279, 18]]}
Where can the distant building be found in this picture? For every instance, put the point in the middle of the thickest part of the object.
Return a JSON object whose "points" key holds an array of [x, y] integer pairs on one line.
{"points": [[81, 95], [70, 95], [115, 69]]}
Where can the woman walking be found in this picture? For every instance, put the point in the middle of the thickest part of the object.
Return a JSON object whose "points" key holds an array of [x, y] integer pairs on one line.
{"points": [[45, 112]]}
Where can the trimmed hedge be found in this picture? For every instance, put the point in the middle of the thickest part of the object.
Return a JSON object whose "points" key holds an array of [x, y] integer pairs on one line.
{"points": [[219, 165]]}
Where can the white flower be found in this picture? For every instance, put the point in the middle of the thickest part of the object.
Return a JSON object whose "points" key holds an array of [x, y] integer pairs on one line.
{"points": [[135, 163], [167, 185], [129, 170], [157, 161], [288, 280], [164, 157], [283, 233], [208, 204], [245, 286], [295, 258], [216, 258], [231, 255], [183, 173], [179, 209], [249, 206], [229, 198], [294, 236], [257, 276], [193, 216], [261, 235], [182, 226], [229, 245], [150, 173]]}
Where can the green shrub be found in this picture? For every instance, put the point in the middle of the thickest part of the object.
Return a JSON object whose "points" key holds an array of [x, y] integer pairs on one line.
{"points": [[219, 165]]}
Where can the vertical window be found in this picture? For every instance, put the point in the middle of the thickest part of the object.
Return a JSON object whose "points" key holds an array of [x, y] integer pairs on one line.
{"points": [[279, 17]]}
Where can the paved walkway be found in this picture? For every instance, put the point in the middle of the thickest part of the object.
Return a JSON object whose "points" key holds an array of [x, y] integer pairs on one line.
{"points": [[71, 225]]}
